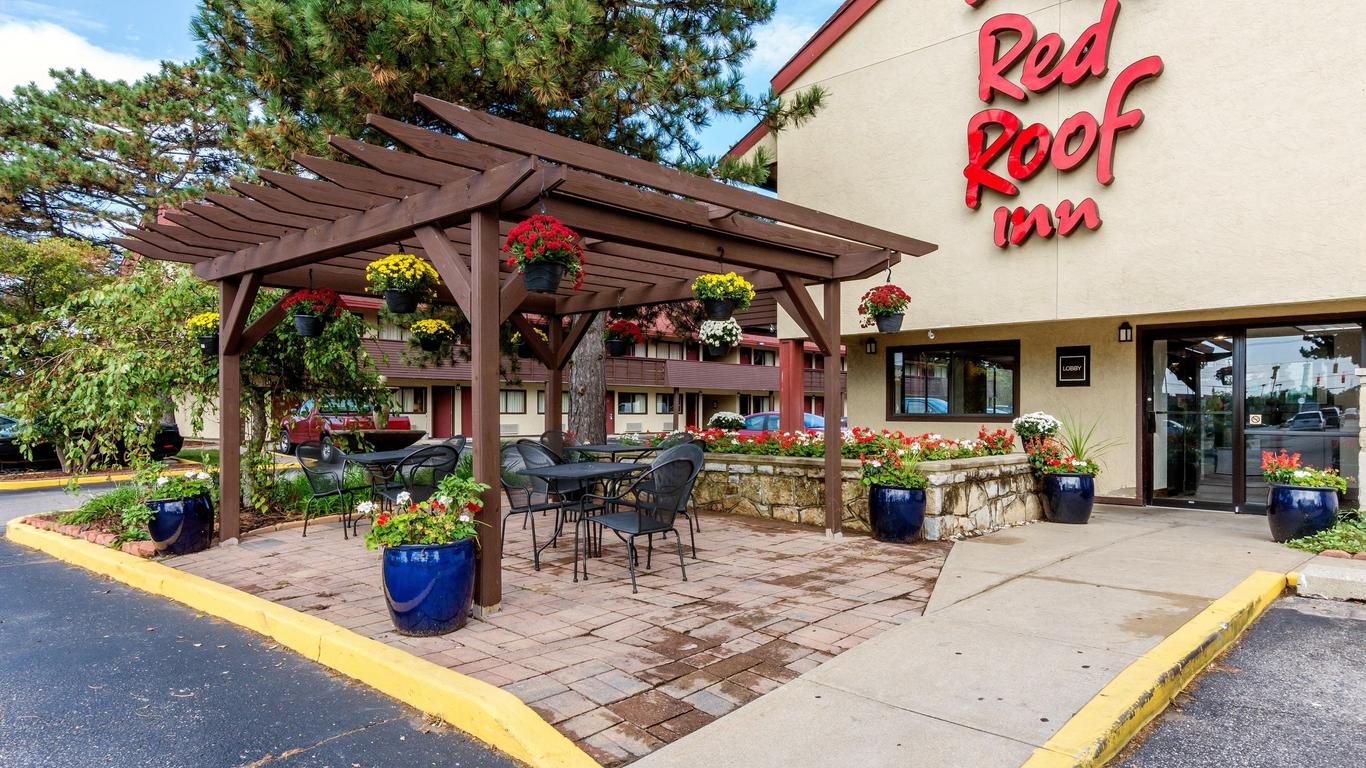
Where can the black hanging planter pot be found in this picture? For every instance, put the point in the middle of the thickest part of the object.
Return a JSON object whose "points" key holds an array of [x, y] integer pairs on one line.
{"points": [[718, 309], [400, 302], [1295, 511], [1068, 497], [717, 350], [889, 323], [542, 276], [525, 351], [430, 344], [618, 347], [308, 326], [208, 344]]}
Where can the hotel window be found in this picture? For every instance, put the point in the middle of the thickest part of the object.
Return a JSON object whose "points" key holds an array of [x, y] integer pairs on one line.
{"points": [[755, 404], [631, 402], [974, 381], [668, 350], [540, 402], [512, 401], [408, 399], [664, 403], [764, 357]]}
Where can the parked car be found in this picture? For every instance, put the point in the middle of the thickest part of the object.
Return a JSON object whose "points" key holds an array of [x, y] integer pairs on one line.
{"points": [[767, 421], [325, 421], [166, 442]]}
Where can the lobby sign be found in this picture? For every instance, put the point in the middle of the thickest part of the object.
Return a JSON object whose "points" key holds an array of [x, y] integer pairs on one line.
{"points": [[1074, 366], [997, 136]]}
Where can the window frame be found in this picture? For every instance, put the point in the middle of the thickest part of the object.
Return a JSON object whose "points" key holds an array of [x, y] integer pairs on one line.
{"points": [[540, 403], [889, 381], [501, 401], [644, 399]]}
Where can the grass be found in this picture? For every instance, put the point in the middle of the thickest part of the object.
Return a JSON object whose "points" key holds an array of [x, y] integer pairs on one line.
{"points": [[200, 455], [1347, 534]]}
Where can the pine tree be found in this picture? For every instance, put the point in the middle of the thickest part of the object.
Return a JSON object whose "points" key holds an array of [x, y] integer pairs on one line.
{"points": [[88, 154]]}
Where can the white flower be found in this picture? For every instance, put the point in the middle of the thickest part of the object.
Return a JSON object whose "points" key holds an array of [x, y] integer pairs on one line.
{"points": [[365, 507], [1301, 473], [202, 476], [404, 498], [464, 518], [163, 480], [720, 332], [189, 473], [444, 501]]}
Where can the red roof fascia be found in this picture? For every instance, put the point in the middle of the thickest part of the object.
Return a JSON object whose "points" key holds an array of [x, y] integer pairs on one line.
{"points": [[829, 33]]}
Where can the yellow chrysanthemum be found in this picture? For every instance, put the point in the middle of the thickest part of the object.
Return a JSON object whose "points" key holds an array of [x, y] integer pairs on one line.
{"points": [[432, 329], [202, 324], [729, 286], [400, 271]]}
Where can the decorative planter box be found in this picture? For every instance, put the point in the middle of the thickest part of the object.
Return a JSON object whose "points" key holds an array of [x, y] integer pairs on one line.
{"points": [[964, 497]]}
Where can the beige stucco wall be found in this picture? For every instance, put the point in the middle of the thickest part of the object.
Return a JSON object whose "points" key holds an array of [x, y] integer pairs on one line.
{"points": [[1241, 187], [1238, 197]]}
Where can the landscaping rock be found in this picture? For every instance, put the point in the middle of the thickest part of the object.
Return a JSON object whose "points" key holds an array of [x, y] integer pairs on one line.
{"points": [[1336, 553]]}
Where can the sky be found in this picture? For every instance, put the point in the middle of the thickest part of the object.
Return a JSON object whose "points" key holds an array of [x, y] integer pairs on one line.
{"points": [[125, 39]]}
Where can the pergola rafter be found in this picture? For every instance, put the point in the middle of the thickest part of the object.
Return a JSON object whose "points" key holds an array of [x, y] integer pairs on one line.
{"points": [[649, 231]]}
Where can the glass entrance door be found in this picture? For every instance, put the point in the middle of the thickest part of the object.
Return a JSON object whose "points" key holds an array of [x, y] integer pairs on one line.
{"points": [[1193, 459], [1303, 396]]}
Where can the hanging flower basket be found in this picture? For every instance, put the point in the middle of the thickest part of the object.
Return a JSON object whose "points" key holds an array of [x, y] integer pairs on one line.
{"points": [[311, 309], [722, 295], [432, 334], [403, 280], [621, 337], [885, 307], [203, 327], [719, 336], [544, 249]]}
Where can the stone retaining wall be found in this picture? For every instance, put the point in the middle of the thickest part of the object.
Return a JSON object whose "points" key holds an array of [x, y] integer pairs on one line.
{"points": [[964, 497]]}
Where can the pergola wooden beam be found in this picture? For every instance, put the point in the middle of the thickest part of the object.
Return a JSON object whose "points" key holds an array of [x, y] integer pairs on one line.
{"points": [[488, 129], [375, 226]]}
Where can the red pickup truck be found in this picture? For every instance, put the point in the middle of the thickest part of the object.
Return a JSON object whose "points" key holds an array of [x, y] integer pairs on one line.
{"points": [[322, 420]]}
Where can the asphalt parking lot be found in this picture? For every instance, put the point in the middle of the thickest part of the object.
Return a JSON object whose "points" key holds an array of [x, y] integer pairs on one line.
{"points": [[1290, 694]]}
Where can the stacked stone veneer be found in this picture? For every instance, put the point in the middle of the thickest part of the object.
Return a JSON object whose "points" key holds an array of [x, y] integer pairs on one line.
{"points": [[963, 497]]}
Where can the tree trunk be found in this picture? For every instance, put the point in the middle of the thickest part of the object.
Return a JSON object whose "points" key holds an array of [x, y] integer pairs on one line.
{"points": [[256, 470], [588, 385]]}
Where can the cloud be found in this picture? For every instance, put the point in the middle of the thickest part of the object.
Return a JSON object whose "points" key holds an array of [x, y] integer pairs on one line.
{"points": [[28, 49], [776, 42]]}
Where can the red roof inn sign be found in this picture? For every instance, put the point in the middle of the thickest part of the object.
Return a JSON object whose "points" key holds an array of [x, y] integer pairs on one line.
{"points": [[996, 136]]}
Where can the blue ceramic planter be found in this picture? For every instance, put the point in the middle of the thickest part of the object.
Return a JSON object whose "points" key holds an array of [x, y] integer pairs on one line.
{"points": [[896, 514], [429, 588], [181, 526], [1068, 498], [1295, 511]]}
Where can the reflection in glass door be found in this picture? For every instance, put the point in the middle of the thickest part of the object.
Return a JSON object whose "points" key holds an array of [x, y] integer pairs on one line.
{"points": [[1303, 396], [1191, 420]]}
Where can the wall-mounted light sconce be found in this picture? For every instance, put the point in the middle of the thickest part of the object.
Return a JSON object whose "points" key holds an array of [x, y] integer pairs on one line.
{"points": [[870, 346], [1126, 332]]}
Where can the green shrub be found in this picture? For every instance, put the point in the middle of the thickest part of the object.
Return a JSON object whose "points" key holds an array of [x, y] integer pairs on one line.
{"points": [[1347, 534]]}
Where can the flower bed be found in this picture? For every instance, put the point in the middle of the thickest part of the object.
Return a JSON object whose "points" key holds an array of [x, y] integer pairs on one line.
{"points": [[97, 533]]}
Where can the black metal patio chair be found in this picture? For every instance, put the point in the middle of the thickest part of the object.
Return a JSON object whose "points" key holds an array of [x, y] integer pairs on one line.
{"points": [[560, 443], [420, 472], [690, 511], [526, 494], [327, 479], [649, 506]]}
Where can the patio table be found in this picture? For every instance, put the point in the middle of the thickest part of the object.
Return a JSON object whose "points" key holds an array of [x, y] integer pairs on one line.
{"points": [[584, 473], [379, 465], [611, 449]]}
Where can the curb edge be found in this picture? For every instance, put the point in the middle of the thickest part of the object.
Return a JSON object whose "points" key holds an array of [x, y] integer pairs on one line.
{"points": [[482, 710], [1142, 691]]}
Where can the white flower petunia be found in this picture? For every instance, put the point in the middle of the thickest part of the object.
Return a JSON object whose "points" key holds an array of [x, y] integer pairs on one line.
{"points": [[465, 518], [365, 507], [163, 480], [404, 499]]}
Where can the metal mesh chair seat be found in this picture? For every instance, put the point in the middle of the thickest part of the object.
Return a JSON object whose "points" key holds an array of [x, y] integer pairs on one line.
{"points": [[527, 494]]}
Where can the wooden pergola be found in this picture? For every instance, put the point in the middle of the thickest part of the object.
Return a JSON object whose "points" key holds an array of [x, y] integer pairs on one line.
{"points": [[649, 230]]}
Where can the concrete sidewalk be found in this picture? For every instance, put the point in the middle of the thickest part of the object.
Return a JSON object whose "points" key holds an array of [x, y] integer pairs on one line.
{"points": [[1023, 628]]}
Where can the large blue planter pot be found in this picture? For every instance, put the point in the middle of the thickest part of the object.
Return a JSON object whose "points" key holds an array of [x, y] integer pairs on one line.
{"points": [[181, 526], [1294, 511], [896, 514], [429, 588], [1068, 498]]}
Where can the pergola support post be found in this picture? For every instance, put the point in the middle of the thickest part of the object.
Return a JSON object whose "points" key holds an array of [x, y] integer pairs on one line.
{"points": [[791, 387], [484, 306], [677, 407], [554, 383], [834, 480], [229, 420]]}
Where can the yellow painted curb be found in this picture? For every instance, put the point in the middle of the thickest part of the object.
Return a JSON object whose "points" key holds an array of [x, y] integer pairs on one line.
{"points": [[108, 477], [1101, 728], [484, 711]]}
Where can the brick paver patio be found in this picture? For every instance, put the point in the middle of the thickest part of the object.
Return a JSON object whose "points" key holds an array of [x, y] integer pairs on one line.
{"points": [[622, 673]]}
